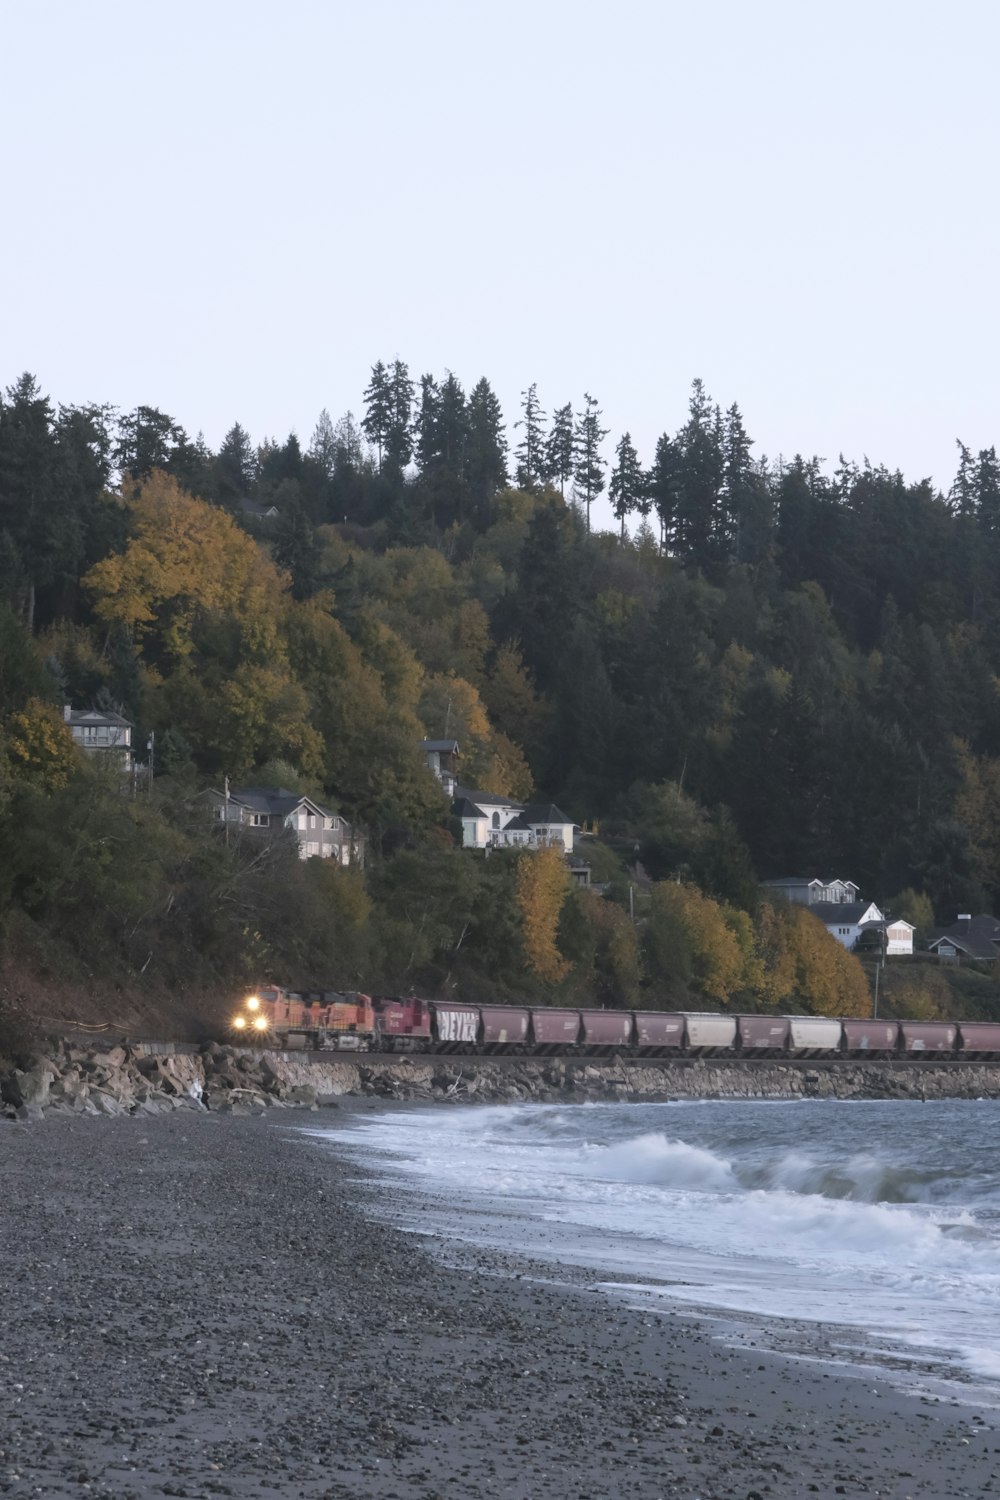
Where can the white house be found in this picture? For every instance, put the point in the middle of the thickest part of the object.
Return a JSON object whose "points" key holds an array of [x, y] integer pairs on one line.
{"points": [[836, 904], [806, 892], [101, 733], [493, 822]]}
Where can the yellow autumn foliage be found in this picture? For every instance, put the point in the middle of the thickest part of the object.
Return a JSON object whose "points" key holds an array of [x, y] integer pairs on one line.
{"points": [[542, 887], [40, 746]]}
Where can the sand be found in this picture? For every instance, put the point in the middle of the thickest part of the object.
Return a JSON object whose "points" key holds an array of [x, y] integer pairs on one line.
{"points": [[196, 1305]]}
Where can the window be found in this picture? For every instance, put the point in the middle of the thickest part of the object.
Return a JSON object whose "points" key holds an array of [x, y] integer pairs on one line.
{"points": [[219, 813], [260, 820], [312, 820], [312, 848], [496, 820]]}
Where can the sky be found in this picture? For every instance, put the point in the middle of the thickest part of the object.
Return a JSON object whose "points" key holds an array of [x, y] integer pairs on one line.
{"points": [[230, 210]]}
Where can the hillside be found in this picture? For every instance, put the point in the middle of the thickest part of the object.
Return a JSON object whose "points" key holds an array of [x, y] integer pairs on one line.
{"points": [[765, 669]]}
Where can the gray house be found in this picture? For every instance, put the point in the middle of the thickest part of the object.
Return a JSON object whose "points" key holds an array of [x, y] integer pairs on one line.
{"points": [[321, 833]]}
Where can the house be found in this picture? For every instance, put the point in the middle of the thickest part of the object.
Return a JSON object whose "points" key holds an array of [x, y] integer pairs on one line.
{"points": [[807, 892], [320, 832], [254, 511], [101, 733], [845, 917], [968, 937], [442, 760], [494, 822]]}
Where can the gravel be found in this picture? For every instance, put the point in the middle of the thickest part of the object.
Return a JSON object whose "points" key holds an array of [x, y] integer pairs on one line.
{"points": [[196, 1305]]}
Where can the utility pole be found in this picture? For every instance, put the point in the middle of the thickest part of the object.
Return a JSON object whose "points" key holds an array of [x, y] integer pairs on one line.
{"points": [[225, 810]]}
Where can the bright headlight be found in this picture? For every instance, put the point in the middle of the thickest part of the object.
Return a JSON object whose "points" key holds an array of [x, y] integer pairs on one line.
{"points": [[253, 1003], [260, 1022], [239, 1022]]}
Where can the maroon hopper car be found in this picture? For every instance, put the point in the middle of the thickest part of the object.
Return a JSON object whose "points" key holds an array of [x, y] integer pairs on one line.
{"points": [[977, 1038], [862, 1037], [656, 1030], [928, 1036], [555, 1028], [763, 1033], [607, 1028], [455, 1025], [503, 1024]]}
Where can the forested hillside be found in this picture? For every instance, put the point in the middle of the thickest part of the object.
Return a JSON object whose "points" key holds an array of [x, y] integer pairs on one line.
{"points": [[766, 668]]}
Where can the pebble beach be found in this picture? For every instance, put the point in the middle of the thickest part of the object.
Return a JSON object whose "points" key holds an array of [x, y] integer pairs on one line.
{"points": [[198, 1304]]}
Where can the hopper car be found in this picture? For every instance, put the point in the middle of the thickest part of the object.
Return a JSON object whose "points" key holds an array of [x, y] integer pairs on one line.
{"points": [[356, 1022]]}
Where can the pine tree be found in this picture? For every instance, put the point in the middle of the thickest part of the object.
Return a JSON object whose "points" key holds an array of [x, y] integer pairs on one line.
{"points": [[399, 436], [559, 448], [235, 466], [963, 491], [147, 438], [452, 424], [486, 447], [627, 488], [425, 425], [588, 472], [699, 527], [662, 488], [988, 490], [323, 443], [530, 451], [378, 410]]}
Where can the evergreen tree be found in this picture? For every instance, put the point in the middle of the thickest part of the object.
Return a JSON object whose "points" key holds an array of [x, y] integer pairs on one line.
{"points": [[38, 536], [452, 424], [530, 451], [963, 491], [559, 448], [398, 435], [988, 491], [627, 487], [378, 410], [662, 489], [699, 525], [147, 438], [426, 424], [486, 446], [589, 466], [235, 466], [323, 444]]}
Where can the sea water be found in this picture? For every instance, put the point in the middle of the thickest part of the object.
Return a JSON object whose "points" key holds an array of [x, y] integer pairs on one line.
{"points": [[877, 1222]]}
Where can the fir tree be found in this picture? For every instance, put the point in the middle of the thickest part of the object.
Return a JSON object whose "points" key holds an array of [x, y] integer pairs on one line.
{"points": [[662, 488], [559, 448], [589, 466], [530, 451], [627, 487], [378, 409], [486, 446], [398, 435]]}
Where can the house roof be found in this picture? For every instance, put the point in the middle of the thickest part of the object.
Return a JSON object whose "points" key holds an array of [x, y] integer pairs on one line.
{"points": [[254, 508], [95, 716], [277, 800], [845, 912], [463, 808], [517, 825], [545, 812], [440, 745], [487, 798], [978, 936]]}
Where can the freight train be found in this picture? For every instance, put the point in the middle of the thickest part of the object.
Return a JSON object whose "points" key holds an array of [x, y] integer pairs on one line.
{"points": [[361, 1023]]}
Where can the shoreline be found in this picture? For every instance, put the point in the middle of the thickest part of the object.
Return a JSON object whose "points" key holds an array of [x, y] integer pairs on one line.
{"points": [[197, 1305]]}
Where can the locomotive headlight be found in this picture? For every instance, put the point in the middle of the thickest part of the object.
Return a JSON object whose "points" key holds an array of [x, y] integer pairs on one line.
{"points": [[253, 1003], [239, 1022], [260, 1023]]}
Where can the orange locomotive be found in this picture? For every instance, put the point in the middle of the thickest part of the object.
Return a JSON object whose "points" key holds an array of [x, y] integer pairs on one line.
{"points": [[326, 1018]]}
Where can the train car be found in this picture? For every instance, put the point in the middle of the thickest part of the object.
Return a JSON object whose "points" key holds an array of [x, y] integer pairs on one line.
{"points": [[502, 1026], [758, 1035], [403, 1025], [554, 1029], [454, 1027], [658, 1032], [978, 1039], [706, 1032], [923, 1038], [346, 1021], [870, 1038], [814, 1036], [605, 1030]]}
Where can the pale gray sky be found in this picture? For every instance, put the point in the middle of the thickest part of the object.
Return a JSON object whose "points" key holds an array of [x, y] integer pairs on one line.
{"points": [[231, 209]]}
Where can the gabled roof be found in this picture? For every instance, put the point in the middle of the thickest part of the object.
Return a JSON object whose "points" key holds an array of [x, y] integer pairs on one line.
{"points": [[517, 825], [978, 936], [463, 808], [276, 800], [844, 912], [443, 746], [545, 812], [484, 799], [95, 716]]}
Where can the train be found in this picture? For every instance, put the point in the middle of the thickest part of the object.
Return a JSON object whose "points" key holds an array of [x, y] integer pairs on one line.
{"points": [[355, 1022]]}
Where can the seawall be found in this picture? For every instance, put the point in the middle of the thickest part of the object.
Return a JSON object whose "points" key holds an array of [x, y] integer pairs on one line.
{"points": [[151, 1078]]}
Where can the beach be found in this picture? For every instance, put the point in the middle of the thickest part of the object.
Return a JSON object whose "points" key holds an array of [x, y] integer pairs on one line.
{"points": [[198, 1305]]}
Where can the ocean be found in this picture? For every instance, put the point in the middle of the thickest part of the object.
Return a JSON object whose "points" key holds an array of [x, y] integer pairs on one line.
{"points": [[865, 1235]]}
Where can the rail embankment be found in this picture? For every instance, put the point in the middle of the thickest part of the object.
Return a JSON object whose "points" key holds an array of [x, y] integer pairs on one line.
{"points": [[83, 1078]]}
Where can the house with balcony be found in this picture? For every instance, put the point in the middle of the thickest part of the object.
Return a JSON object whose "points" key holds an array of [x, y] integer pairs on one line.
{"points": [[844, 916], [269, 811], [99, 732], [495, 822]]}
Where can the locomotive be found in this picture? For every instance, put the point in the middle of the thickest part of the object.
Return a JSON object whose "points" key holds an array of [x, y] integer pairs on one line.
{"points": [[360, 1023]]}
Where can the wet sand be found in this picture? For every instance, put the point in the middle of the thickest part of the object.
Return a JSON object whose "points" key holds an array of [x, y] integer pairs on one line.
{"points": [[196, 1305]]}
